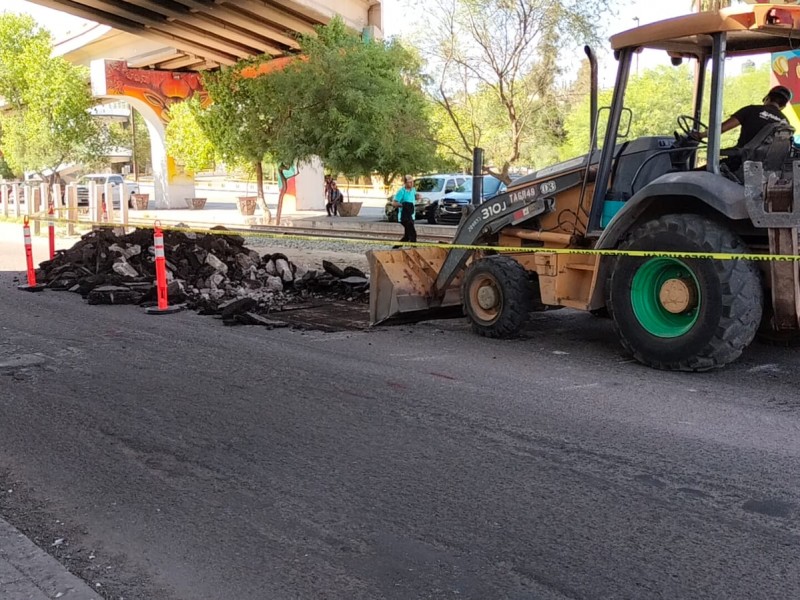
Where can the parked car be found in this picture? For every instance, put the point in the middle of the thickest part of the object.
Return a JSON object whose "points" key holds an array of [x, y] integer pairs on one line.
{"points": [[435, 187], [119, 188], [451, 208], [420, 208], [430, 190]]}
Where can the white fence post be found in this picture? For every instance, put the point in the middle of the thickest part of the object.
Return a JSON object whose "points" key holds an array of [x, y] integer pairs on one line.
{"points": [[108, 192], [124, 198], [35, 207], [95, 203], [15, 191], [72, 203]]}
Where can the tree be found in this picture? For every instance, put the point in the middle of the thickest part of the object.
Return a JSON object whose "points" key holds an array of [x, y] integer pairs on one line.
{"points": [[47, 123], [494, 66], [656, 98], [357, 105], [186, 139], [240, 119]]}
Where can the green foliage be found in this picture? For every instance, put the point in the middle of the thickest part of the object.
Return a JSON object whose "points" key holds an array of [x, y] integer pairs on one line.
{"points": [[494, 66], [48, 122], [356, 105], [5, 170], [186, 140], [656, 98], [122, 135], [240, 118], [22, 44]]}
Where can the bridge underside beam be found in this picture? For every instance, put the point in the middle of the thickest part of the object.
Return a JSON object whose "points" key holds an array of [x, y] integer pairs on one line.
{"points": [[207, 33]]}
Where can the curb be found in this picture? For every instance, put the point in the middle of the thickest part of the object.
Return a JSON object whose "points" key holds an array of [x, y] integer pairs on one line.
{"points": [[34, 574]]}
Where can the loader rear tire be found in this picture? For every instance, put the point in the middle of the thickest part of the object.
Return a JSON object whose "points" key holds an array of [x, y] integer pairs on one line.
{"points": [[684, 314], [497, 296]]}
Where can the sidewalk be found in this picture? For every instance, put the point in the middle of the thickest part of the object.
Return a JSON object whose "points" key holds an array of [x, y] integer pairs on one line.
{"points": [[29, 573]]}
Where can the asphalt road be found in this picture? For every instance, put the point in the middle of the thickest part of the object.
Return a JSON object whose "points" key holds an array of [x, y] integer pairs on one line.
{"points": [[178, 459]]}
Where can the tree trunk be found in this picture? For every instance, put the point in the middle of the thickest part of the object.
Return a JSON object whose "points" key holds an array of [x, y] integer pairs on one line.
{"points": [[260, 191], [502, 175], [260, 184], [283, 185], [50, 181]]}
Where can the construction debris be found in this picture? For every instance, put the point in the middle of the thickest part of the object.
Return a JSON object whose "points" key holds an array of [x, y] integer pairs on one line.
{"points": [[214, 274]]}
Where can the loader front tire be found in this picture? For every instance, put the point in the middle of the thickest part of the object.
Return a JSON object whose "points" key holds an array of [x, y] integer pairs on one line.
{"points": [[684, 314], [497, 296]]}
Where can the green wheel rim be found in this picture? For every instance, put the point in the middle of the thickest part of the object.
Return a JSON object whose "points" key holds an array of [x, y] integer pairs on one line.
{"points": [[646, 290]]}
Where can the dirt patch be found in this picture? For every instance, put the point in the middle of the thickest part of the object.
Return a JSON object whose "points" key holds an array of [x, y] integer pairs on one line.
{"points": [[328, 316]]}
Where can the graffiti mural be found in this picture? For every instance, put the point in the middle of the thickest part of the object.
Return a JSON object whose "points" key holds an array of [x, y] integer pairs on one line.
{"points": [[157, 89], [786, 72]]}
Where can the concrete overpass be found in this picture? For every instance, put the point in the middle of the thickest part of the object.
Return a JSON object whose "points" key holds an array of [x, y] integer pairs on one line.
{"points": [[204, 34], [146, 52]]}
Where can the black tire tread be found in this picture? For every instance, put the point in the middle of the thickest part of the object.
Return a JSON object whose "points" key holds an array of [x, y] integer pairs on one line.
{"points": [[517, 298], [742, 292]]}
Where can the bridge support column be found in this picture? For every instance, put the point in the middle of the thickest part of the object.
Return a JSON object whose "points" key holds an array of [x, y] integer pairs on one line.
{"points": [[310, 186], [151, 93]]}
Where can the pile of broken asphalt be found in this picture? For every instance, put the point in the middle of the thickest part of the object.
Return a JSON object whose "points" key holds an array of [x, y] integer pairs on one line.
{"points": [[214, 274]]}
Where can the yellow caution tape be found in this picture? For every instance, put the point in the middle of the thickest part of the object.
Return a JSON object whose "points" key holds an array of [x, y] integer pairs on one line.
{"points": [[446, 246]]}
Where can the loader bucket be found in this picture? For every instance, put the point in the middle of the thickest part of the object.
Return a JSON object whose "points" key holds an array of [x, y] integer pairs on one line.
{"points": [[402, 283]]}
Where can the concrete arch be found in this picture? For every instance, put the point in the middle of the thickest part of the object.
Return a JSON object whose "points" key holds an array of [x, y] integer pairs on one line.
{"points": [[151, 93], [158, 149]]}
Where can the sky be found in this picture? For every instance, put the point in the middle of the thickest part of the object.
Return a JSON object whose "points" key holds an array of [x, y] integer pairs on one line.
{"points": [[57, 22]]}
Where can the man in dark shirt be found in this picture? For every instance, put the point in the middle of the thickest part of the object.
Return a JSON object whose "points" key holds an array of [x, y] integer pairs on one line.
{"points": [[334, 199], [755, 117]]}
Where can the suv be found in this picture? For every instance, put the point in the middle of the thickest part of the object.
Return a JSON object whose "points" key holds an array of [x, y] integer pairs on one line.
{"points": [[434, 187], [452, 206], [119, 187]]}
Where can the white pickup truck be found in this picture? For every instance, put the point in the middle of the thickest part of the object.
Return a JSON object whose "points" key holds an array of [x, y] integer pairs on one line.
{"points": [[119, 187]]}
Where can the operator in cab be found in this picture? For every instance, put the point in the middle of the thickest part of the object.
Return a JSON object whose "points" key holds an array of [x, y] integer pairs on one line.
{"points": [[755, 117]]}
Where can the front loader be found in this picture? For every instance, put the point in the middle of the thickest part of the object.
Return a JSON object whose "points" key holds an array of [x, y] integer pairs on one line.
{"points": [[646, 200]]}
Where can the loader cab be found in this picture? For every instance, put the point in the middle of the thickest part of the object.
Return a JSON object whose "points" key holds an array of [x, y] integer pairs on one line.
{"points": [[626, 168]]}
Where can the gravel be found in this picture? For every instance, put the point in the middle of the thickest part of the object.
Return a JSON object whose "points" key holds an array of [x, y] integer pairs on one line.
{"points": [[258, 241]]}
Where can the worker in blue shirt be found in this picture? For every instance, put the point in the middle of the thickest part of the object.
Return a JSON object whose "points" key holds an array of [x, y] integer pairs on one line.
{"points": [[404, 202]]}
